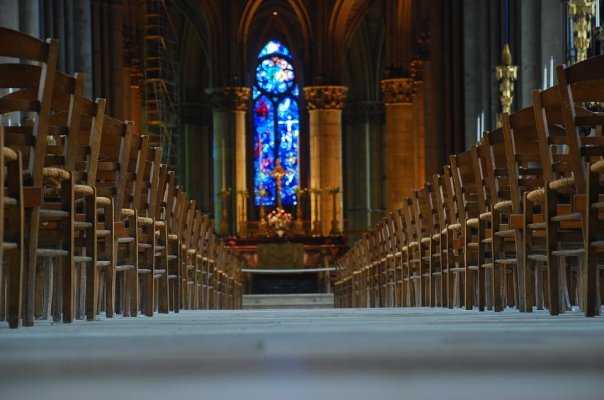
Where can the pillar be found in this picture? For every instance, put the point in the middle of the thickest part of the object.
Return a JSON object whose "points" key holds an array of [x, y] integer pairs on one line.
{"points": [[325, 104], [419, 122], [363, 141], [229, 105], [400, 140]]}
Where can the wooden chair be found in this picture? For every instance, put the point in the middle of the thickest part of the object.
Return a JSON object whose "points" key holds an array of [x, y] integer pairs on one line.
{"points": [[414, 277], [581, 87], [400, 255], [62, 186], [466, 195], [153, 262], [37, 83], [12, 233], [524, 174], [136, 239], [490, 171], [169, 237], [117, 243], [455, 264], [439, 251], [593, 240], [552, 233]]}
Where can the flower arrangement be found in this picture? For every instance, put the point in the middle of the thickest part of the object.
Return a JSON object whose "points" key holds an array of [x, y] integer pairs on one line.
{"points": [[279, 220]]}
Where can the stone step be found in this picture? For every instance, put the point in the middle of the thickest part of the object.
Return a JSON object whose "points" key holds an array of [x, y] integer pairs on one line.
{"points": [[287, 301]]}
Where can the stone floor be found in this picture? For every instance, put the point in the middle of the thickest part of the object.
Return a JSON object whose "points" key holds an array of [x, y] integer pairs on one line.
{"points": [[309, 354]]}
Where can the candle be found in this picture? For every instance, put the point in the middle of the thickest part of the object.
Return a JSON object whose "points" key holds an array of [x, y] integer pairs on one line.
{"points": [[597, 12], [551, 71], [223, 167], [544, 77], [478, 128], [481, 123]]}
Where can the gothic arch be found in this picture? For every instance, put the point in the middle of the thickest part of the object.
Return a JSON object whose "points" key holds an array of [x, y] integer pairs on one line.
{"points": [[250, 11]]}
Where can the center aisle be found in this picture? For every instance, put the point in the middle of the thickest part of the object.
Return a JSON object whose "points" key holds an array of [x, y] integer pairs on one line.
{"points": [[308, 354]]}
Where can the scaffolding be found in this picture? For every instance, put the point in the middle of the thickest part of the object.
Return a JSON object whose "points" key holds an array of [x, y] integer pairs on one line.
{"points": [[160, 74]]}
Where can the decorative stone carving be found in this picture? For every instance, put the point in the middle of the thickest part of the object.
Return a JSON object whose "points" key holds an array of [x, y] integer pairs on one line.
{"points": [[398, 90], [416, 69], [229, 98], [325, 97]]}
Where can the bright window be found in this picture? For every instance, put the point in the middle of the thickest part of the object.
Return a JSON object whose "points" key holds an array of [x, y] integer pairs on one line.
{"points": [[276, 123]]}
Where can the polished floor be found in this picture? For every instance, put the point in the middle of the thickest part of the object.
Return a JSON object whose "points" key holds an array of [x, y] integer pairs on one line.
{"points": [[308, 354]]}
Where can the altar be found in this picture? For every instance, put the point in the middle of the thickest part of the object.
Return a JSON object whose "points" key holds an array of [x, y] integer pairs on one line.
{"points": [[288, 265]]}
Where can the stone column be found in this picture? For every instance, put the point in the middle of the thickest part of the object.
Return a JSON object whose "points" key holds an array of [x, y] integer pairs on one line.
{"points": [[325, 104], [228, 108], [419, 122], [363, 141], [400, 140]]}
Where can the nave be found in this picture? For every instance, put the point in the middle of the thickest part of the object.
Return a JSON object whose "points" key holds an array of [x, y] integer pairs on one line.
{"points": [[418, 353]]}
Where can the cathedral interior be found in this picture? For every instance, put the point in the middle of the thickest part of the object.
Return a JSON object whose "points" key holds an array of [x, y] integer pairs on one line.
{"points": [[399, 83], [341, 199]]}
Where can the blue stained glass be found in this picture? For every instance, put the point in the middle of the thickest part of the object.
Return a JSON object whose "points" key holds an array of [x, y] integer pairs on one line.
{"points": [[275, 75], [274, 46], [264, 122], [276, 123], [288, 130]]}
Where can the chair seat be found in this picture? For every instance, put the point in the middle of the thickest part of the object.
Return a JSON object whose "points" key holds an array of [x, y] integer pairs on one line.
{"points": [[144, 220], [472, 222], [128, 212], [536, 196], [55, 173], [486, 216], [83, 190], [9, 154], [103, 201], [53, 214], [563, 185], [454, 227], [9, 201], [503, 206], [597, 166]]}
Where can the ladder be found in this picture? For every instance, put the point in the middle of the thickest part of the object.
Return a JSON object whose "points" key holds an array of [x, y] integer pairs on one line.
{"points": [[160, 74]]}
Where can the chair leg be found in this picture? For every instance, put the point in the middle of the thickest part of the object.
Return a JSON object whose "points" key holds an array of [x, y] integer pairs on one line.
{"points": [[69, 276], [92, 273], [551, 245]]}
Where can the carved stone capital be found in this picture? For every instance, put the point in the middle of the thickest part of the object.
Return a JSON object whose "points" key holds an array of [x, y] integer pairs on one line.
{"points": [[398, 90], [229, 98], [325, 97], [416, 69]]}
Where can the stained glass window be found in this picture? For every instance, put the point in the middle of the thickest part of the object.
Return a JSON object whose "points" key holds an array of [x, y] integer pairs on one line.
{"points": [[276, 123]]}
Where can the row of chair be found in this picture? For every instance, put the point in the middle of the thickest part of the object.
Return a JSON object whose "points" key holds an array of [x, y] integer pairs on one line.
{"points": [[515, 221], [91, 219]]}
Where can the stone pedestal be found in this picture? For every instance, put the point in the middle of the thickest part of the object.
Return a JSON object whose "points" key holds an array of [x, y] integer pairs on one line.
{"points": [[400, 140], [325, 104], [229, 105]]}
